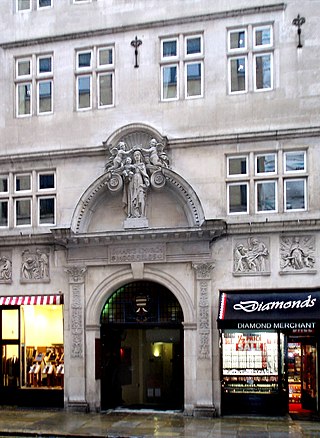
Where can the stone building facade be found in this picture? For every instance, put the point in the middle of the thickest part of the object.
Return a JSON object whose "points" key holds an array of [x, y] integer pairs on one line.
{"points": [[156, 165]]}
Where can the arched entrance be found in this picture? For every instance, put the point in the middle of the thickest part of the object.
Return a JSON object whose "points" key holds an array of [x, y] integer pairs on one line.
{"points": [[142, 348]]}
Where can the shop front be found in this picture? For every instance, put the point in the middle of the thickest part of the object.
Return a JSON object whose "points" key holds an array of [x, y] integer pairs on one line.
{"points": [[31, 337], [269, 352]]}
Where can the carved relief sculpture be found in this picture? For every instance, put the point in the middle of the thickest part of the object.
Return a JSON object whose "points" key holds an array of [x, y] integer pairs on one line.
{"points": [[35, 266], [297, 254], [251, 256], [5, 268], [134, 169]]}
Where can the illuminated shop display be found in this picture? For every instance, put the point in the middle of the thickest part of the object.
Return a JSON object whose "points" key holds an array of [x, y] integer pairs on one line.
{"points": [[32, 345], [250, 362]]}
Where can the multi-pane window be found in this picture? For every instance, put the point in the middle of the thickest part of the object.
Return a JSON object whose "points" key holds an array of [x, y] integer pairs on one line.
{"points": [[27, 199], [27, 5], [250, 59], [34, 85], [95, 78], [264, 188], [182, 67]]}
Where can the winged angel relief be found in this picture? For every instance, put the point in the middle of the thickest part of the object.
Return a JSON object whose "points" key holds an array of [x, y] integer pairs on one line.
{"points": [[134, 170], [297, 253]]}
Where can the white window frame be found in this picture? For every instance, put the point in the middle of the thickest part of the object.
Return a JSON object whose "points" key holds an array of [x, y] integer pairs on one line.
{"points": [[87, 108], [274, 172], [290, 172], [4, 177], [238, 183], [29, 114], [24, 59], [39, 198], [168, 99], [23, 10], [85, 68], [104, 73], [2, 200], [105, 66], [286, 180], [260, 55], [238, 49], [47, 73], [44, 174], [15, 183], [193, 55], [196, 96], [260, 182], [173, 57], [38, 98], [41, 8], [237, 157], [29, 198], [262, 27], [232, 58]]}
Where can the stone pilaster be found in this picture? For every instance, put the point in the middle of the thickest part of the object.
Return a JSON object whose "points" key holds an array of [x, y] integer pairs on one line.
{"points": [[204, 397], [75, 375]]}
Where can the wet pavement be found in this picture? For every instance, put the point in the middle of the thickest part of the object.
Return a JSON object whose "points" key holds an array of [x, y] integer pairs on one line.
{"points": [[146, 424]]}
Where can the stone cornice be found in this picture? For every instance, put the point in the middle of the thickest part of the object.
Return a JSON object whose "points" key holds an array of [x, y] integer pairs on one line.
{"points": [[236, 138], [146, 25], [210, 230], [281, 226]]}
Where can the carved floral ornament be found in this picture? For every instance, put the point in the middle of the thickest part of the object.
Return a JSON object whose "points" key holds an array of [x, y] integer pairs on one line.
{"points": [[133, 168]]}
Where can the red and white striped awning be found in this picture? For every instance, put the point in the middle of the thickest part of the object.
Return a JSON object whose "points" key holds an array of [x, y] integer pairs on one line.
{"points": [[35, 300]]}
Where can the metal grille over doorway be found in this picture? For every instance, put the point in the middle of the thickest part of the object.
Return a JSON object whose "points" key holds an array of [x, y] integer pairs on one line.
{"points": [[142, 301]]}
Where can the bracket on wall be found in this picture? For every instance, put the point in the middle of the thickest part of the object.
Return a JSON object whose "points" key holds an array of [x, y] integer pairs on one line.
{"points": [[136, 43], [299, 21]]}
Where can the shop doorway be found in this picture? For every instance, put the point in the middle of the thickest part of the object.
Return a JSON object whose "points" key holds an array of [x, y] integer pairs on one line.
{"points": [[142, 349], [302, 374]]}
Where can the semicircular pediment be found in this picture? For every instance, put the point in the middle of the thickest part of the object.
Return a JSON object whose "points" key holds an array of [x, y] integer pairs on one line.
{"points": [[138, 188]]}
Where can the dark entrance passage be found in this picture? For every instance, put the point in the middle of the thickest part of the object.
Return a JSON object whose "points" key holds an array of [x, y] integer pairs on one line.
{"points": [[142, 349]]}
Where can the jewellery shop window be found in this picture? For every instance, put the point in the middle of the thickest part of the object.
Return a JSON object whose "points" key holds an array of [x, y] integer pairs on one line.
{"points": [[249, 362], [36, 357]]}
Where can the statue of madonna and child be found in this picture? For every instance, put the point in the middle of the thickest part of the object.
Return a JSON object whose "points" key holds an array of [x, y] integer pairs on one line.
{"points": [[135, 170]]}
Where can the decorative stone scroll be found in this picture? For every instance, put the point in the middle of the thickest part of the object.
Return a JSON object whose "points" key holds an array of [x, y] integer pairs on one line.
{"points": [[5, 267], [76, 279], [34, 266], [133, 169], [203, 274], [137, 253], [297, 255], [251, 256]]}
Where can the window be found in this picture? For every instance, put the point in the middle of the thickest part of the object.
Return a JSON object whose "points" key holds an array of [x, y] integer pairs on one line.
{"points": [[255, 180], [266, 196], [23, 5], [34, 73], [44, 4], [95, 78], [238, 198], [295, 194], [28, 199], [182, 67], [254, 60], [27, 5]]}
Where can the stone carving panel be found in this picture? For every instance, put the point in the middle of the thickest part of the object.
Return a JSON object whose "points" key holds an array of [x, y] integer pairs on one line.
{"points": [[134, 168], [251, 256], [76, 322], [297, 254], [35, 266], [5, 267], [203, 274]]}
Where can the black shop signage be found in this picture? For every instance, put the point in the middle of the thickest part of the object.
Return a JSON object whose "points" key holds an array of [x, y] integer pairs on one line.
{"points": [[276, 310]]}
